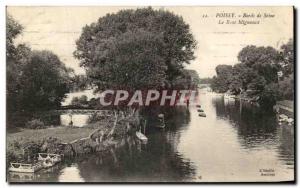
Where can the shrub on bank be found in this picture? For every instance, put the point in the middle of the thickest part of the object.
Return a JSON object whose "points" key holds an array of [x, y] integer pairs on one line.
{"points": [[80, 101], [35, 124]]}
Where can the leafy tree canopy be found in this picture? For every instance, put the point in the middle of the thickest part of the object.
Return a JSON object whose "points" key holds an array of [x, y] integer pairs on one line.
{"points": [[35, 79], [13, 29], [257, 74], [156, 43]]}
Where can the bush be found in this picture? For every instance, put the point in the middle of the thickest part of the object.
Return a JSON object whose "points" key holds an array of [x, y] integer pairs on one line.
{"points": [[286, 88], [79, 101], [35, 124], [95, 118], [269, 96]]}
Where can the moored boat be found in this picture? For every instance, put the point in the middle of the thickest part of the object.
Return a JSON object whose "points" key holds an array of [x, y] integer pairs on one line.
{"points": [[229, 96], [141, 137], [202, 114], [54, 158], [48, 163], [161, 121], [25, 168]]}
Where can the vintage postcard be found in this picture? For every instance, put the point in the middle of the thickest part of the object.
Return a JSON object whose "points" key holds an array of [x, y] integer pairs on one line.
{"points": [[150, 94]]}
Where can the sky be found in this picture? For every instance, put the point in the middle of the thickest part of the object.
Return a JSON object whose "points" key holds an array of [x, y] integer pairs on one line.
{"points": [[57, 29]]}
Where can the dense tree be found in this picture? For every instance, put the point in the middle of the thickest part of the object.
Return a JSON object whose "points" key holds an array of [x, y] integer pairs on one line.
{"points": [[263, 60], [189, 79], [16, 59], [218, 85], [35, 79], [269, 95], [257, 74], [251, 55], [80, 101], [205, 80], [14, 76], [135, 48], [223, 79], [13, 29], [193, 75], [45, 79], [287, 58], [286, 87], [132, 61], [79, 82]]}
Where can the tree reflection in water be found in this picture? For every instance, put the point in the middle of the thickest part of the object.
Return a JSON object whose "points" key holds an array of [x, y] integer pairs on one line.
{"points": [[257, 128], [156, 161]]}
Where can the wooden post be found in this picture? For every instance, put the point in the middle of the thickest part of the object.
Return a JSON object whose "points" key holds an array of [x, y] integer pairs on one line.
{"points": [[145, 123]]}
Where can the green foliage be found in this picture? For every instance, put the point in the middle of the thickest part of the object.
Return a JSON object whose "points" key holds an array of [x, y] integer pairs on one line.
{"points": [[221, 82], [79, 101], [187, 80], [79, 83], [256, 74], [269, 95], [95, 118], [35, 79], [35, 124], [287, 58], [286, 87], [205, 80], [154, 43], [45, 81], [218, 85], [193, 75], [13, 29], [263, 60]]}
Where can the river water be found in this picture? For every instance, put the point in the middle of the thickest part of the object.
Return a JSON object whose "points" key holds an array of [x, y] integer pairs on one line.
{"points": [[235, 142]]}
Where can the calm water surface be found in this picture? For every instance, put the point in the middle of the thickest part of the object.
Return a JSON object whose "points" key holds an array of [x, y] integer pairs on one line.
{"points": [[233, 143]]}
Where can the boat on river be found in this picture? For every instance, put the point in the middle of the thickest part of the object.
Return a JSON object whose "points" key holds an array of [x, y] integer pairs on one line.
{"points": [[48, 163], [229, 96], [19, 176], [53, 158], [200, 110], [161, 121], [141, 136], [25, 168], [202, 114]]}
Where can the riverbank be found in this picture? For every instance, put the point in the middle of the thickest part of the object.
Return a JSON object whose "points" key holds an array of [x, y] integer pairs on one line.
{"points": [[23, 145], [34, 139]]}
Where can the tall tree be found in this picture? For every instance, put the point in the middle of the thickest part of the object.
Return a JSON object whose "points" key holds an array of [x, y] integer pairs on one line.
{"points": [[45, 79], [13, 29], [287, 57], [35, 79], [223, 79], [16, 58], [256, 74], [263, 60], [157, 42]]}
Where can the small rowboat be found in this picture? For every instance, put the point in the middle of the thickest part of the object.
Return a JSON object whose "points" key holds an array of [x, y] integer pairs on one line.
{"points": [[161, 126], [202, 114], [54, 158], [200, 110], [19, 176], [26, 168], [48, 163], [161, 121], [141, 137]]}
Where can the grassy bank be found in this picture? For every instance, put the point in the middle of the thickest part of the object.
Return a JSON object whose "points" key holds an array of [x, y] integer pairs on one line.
{"points": [[64, 134], [52, 139]]}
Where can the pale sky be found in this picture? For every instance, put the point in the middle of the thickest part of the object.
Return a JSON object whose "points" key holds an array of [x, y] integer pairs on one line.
{"points": [[57, 28]]}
